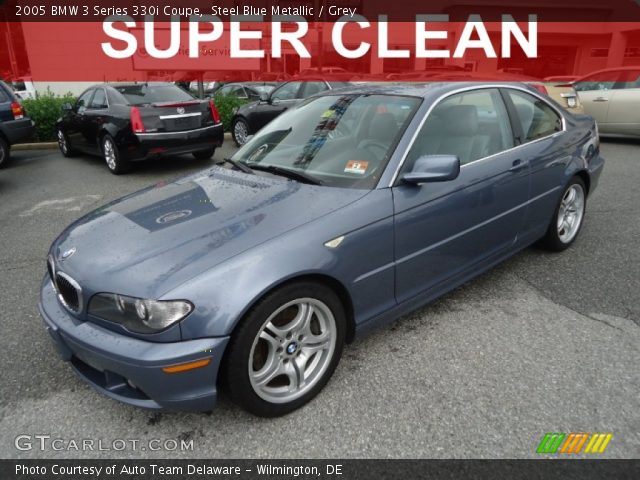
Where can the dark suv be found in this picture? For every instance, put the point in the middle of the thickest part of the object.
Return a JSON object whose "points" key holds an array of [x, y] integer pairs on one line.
{"points": [[15, 126]]}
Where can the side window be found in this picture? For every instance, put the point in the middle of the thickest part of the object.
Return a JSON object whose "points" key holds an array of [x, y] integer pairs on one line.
{"points": [[536, 117], [470, 125], [239, 92], [83, 101], [629, 79], [226, 90], [311, 88], [99, 100], [288, 91], [598, 82], [3, 95]]}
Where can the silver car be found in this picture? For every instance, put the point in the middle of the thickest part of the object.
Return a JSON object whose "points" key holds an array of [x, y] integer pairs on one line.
{"points": [[612, 97]]}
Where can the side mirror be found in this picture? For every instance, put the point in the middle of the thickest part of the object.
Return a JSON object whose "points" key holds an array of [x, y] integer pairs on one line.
{"points": [[433, 168], [67, 107]]}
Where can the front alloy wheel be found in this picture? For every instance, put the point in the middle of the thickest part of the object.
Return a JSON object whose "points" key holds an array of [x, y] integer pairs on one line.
{"points": [[286, 349], [63, 144], [292, 350]]}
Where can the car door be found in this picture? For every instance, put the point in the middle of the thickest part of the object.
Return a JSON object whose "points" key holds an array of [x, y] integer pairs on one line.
{"points": [[624, 106], [282, 98], [595, 92], [75, 129], [95, 116], [539, 128], [444, 230]]}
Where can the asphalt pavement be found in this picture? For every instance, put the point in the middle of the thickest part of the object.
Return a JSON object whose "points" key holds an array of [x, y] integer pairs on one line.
{"points": [[542, 343]]}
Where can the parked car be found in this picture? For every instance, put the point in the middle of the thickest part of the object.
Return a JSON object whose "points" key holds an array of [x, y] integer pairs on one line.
{"points": [[247, 90], [612, 97], [15, 125], [124, 123], [342, 214], [253, 116]]}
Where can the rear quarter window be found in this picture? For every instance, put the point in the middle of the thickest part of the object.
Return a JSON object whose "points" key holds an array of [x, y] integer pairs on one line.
{"points": [[536, 117]]}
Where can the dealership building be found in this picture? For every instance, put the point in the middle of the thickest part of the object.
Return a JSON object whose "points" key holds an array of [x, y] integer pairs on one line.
{"points": [[563, 48]]}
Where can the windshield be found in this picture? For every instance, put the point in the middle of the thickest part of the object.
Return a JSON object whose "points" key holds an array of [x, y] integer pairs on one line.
{"points": [[341, 140], [144, 94]]}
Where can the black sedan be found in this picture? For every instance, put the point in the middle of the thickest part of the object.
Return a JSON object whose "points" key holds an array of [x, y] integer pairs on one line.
{"points": [[253, 116], [128, 122]]}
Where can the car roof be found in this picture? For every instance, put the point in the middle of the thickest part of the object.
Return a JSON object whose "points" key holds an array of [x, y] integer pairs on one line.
{"points": [[421, 90]]}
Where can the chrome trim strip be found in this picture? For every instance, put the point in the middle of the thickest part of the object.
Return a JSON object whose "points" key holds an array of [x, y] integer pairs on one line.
{"points": [[468, 89], [182, 115], [181, 132], [374, 272]]}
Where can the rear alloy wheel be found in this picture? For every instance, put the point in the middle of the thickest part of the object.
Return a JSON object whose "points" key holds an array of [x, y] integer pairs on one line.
{"points": [[286, 349], [112, 157], [568, 217], [240, 131], [4, 152], [204, 154], [63, 144]]}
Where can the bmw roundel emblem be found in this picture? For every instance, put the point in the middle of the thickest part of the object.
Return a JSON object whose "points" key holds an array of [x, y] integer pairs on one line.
{"points": [[292, 347], [67, 253], [180, 110]]}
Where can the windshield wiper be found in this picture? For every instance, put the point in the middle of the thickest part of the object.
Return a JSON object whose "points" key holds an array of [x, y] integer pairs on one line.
{"points": [[239, 165], [285, 172]]}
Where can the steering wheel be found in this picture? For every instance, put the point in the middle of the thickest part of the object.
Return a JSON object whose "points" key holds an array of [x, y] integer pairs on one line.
{"points": [[377, 148]]}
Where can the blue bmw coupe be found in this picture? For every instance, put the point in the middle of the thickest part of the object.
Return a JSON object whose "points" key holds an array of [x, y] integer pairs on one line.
{"points": [[351, 209]]}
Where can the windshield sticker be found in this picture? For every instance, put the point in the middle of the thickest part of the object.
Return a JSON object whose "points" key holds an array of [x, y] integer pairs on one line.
{"points": [[356, 166]]}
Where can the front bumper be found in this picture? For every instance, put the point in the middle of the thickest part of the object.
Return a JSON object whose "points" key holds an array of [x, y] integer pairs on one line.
{"points": [[149, 145], [130, 370]]}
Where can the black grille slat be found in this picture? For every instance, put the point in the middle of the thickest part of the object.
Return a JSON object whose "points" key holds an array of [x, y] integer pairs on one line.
{"points": [[68, 292]]}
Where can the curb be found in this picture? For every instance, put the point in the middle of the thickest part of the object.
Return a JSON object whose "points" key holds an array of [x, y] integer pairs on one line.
{"points": [[54, 145], [35, 146]]}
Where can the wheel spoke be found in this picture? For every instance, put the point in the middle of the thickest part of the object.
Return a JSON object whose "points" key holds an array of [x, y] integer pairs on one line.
{"points": [[295, 372], [271, 370], [316, 343]]}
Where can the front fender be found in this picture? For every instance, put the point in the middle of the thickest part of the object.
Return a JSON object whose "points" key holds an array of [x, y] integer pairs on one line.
{"points": [[362, 264]]}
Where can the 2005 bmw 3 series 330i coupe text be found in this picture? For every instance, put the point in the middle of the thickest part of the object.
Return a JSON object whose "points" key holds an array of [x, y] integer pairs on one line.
{"points": [[345, 212]]}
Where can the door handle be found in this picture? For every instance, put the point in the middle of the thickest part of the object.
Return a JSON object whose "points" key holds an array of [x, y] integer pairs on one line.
{"points": [[518, 165], [601, 99]]}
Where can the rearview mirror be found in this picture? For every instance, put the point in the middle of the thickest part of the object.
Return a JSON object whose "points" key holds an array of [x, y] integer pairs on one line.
{"points": [[264, 97], [67, 107], [433, 168]]}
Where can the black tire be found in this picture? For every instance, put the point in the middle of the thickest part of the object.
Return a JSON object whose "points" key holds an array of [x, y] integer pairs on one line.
{"points": [[241, 123], [235, 369], [553, 240], [114, 160], [5, 151], [204, 154], [63, 144]]}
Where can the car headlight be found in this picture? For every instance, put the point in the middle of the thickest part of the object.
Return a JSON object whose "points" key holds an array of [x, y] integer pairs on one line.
{"points": [[138, 314]]}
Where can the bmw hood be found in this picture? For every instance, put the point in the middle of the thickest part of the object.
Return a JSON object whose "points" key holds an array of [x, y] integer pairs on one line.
{"points": [[151, 241]]}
